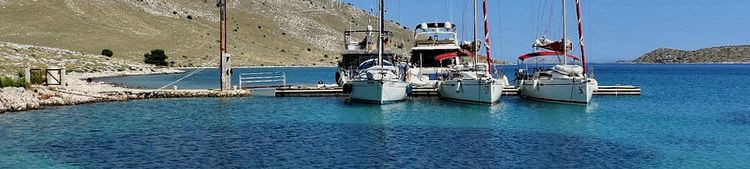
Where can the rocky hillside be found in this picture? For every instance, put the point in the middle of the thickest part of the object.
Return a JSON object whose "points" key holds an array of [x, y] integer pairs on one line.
{"points": [[15, 57], [724, 54], [262, 32]]}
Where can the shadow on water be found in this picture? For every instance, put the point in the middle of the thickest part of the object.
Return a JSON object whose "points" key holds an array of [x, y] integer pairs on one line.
{"points": [[347, 145], [736, 117]]}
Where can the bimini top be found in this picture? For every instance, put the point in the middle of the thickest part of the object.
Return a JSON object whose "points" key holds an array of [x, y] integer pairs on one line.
{"points": [[544, 53]]}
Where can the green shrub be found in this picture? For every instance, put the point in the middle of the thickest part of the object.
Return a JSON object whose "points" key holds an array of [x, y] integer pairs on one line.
{"points": [[107, 52], [21, 82], [10, 82], [156, 57], [38, 77], [6, 82]]}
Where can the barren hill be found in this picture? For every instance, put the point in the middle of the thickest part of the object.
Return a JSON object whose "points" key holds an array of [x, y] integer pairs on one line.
{"points": [[262, 32]]}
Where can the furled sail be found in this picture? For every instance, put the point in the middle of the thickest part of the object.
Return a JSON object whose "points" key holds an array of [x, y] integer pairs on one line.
{"points": [[552, 45]]}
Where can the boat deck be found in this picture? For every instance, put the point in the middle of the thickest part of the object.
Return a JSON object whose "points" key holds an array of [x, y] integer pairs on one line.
{"points": [[314, 91]]}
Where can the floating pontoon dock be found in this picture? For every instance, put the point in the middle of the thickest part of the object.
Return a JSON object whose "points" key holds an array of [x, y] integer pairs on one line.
{"points": [[315, 91], [278, 81]]}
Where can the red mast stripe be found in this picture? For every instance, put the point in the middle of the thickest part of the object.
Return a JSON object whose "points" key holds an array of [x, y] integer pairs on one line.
{"points": [[580, 34], [487, 36]]}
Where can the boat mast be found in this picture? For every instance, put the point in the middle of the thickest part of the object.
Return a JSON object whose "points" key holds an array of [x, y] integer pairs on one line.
{"points": [[580, 35], [487, 36], [474, 35], [565, 34], [380, 36]]}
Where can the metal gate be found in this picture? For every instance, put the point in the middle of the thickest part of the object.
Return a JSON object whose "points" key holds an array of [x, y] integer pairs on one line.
{"points": [[54, 76], [262, 80]]}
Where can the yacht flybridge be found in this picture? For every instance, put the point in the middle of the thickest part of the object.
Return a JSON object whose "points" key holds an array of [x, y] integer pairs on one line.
{"points": [[564, 81], [378, 80], [471, 81]]}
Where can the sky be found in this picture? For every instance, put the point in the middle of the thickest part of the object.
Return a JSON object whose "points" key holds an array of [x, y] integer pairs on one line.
{"points": [[613, 29]]}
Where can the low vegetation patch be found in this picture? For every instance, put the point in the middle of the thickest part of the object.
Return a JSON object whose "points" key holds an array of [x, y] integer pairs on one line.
{"points": [[38, 77], [156, 57], [107, 52], [13, 82]]}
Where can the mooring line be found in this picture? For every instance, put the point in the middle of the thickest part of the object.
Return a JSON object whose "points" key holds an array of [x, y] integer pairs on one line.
{"points": [[186, 76]]}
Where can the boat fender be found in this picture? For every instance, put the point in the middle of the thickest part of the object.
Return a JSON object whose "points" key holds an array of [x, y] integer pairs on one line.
{"points": [[505, 80], [409, 90], [458, 86], [347, 88], [338, 78], [535, 83]]}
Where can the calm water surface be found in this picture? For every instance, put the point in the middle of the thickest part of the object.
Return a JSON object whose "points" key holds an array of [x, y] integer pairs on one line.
{"points": [[689, 116]]}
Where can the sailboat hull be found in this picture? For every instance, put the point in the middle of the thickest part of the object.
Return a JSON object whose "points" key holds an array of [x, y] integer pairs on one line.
{"points": [[470, 90], [377, 92], [559, 90]]}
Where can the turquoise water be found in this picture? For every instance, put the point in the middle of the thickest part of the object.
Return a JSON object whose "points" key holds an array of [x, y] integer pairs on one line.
{"points": [[209, 78], [689, 116]]}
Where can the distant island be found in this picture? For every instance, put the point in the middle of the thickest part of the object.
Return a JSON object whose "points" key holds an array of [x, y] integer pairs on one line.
{"points": [[722, 54]]}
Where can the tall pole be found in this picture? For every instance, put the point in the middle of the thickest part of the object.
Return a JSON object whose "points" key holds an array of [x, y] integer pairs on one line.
{"points": [[565, 34], [487, 36], [380, 35], [474, 35], [580, 35], [224, 56]]}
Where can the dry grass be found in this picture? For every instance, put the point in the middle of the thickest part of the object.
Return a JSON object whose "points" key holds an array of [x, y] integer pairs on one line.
{"points": [[262, 32], [15, 57]]}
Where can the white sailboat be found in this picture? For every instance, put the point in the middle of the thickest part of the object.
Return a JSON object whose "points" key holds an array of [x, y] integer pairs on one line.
{"points": [[563, 82], [473, 82], [378, 81], [356, 52]]}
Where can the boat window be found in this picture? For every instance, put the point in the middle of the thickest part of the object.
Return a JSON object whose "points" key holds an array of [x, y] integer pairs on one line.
{"points": [[352, 61], [373, 62], [428, 58]]}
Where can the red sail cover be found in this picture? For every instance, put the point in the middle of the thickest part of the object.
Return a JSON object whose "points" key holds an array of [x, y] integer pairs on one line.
{"points": [[555, 46], [449, 55], [544, 53]]}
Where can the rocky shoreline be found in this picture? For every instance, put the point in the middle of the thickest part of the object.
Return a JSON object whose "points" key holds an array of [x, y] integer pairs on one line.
{"points": [[78, 91]]}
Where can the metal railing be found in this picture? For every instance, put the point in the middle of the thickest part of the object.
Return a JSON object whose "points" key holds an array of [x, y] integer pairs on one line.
{"points": [[262, 80]]}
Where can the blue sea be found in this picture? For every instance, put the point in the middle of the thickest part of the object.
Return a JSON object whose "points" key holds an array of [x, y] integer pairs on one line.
{"points": [[689, 116]]}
